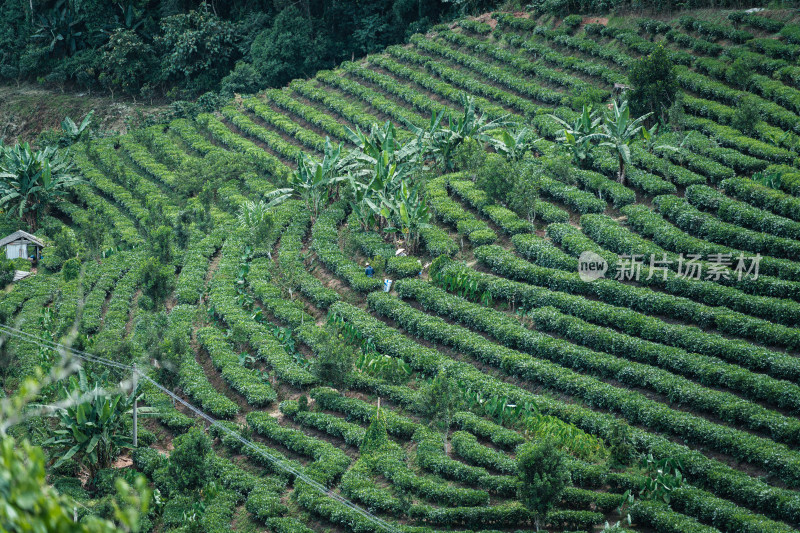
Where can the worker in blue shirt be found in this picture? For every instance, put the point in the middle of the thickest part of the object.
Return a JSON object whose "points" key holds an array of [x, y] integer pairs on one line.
{"points": [[369, 271]]}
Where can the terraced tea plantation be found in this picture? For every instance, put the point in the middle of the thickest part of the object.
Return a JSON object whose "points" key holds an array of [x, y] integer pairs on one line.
{"points": [[489, 336]]}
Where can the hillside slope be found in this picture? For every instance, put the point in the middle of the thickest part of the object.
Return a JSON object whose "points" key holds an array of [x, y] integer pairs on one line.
{"points": [[703, 371]]}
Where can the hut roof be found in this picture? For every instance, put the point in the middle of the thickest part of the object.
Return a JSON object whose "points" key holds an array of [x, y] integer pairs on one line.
{"points": [[19, 235]]}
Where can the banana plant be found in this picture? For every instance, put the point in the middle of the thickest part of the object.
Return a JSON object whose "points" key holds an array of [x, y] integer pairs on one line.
{"points": [[92, 424], [410, 213], [439, 141], [375, 192], [246, 360], [256, 216], [579, 136], [72, 133], [61, 29], [315, 182], [619, 132], [360, 205], [424, 140], [391, 368], [567, 436], [650, 135], [500, 408], [514, 144], [768, 179], [663, 477], [371, 147], [681, 150], [30, 181], [251, 214], [470, 125]]}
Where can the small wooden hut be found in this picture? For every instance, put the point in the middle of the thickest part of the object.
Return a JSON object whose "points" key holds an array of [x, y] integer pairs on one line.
{"points": [[22, 245]]}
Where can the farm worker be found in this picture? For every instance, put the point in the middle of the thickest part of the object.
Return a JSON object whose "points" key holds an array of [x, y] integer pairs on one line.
{"points": [[369, 271]]}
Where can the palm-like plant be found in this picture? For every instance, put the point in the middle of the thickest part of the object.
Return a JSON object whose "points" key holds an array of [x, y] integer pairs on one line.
{"points": [[91, 428], [439, 141], [375, 193], [371, 147], [768, 179], [579, 136], [59, 29], [680, 150], [256, 216], [377, 169], [469, 124], [514, 144], [30, 181], [72, 132], [410, 214], [619, 132], [251, 214], [315, 182]]}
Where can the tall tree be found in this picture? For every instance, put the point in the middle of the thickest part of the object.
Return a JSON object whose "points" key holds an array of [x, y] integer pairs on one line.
{"points": [[439, 400], [543, 474], [290, 49], [654, 84]]}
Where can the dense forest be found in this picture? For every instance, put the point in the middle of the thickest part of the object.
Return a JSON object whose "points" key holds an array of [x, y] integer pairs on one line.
{"points": [[182, 49]]}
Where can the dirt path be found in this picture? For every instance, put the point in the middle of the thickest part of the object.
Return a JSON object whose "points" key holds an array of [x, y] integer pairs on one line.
{"points": [[132, 312], [27, 109]]}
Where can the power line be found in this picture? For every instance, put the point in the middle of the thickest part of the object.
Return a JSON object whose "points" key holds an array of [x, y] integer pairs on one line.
{"points": [[44, 343], [382, 524], [274, 460]]}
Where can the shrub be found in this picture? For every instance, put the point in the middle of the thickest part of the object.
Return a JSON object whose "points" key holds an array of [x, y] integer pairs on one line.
{"points": [[263, 503], [739, 73], [495, 177], [543, 475], [6, 272], [291, 263], [244, 380], [376, 436], [158, 282], [466, 446], [747, 115], [66, 247], [728, 482], [71, 269], [126, 62], [161, 244], [469, 156], [335, 359], [326, 243], [763, 197], [653, 82], [790, 32], [620, 447], [188, 462], [242, 79], [571, 22]]}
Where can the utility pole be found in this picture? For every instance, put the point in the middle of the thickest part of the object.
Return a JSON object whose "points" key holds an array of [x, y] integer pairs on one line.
{"points": [[135, 428]]}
